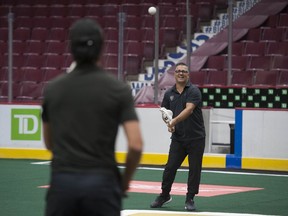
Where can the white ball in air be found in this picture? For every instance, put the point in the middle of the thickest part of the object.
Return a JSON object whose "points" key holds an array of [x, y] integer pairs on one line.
{"points": [[152, 10]]}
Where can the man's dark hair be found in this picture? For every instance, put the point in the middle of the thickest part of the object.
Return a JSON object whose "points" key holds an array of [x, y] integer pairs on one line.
{"points": [[181, 63], [86, 41]]}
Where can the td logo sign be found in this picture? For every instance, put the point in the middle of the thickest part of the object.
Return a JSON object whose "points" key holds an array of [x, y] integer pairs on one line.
{"points": [[25, 124]]}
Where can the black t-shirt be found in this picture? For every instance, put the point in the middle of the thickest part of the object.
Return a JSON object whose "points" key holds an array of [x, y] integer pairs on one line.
{"points": [[84, 109], [193, 127]]}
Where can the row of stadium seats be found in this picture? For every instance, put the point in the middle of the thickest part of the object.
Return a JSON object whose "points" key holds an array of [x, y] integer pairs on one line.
{"points": [[240, 63], [268, 34], [32, 91], [201, 11], [258, 78], [25, 91], [34, 60], [167, 36], [104, 2], [29, 75], [172, 21], [263, 48]]}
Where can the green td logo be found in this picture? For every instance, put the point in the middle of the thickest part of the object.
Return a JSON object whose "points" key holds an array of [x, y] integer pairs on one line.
{"points": [[25, 124]]}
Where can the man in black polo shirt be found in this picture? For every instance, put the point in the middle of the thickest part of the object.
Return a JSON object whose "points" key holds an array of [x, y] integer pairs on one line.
{"points": [[188, 136], [81, 114]]}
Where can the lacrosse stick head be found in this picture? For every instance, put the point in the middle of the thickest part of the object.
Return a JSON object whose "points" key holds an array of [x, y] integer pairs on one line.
{"points": [[167, 115]]}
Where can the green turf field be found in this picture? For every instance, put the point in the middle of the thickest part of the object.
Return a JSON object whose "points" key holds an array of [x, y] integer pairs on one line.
{"points": [[20, 195]]}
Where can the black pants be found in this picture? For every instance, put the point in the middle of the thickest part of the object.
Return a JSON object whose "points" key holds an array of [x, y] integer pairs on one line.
{"points": [[73, 194], [177, 153]]}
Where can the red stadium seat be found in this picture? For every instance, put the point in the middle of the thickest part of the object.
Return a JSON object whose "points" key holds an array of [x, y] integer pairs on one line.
{"points": [[148, 50], [41, 22], [283, 79], [198, 78], [242, 78], [133, 48], [18, 47], [57, 34], [239, 63], [18, 75], [110, 47], [23, 11], [217, 78], [35, 47], [283, 20], [50, 73], [272, 34], [35, 61], [110, 22], [40, 11], [254, 49], [215, 63], [280, 63], [132, 64], [4, 34], [253, 35], [111, 34], [23, 22], [169, 37], [56, 47], [76, 10], [55, 61], [21, 34], [33, 75], [4, 90], [110, 9], [132, 34], [30, 91], [148, 34], [131, 9], [39, 34], [58, 11], [260, 63], [237, 48], [110, 61], [265, 79], [272, 21], [277, 49], [133, 22]]}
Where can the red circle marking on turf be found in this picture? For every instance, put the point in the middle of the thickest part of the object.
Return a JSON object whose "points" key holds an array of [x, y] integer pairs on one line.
{"points": [[181, 189]]}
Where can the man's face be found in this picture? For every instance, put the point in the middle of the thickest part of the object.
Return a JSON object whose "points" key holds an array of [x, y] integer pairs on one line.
{"points": [[181, 74]]}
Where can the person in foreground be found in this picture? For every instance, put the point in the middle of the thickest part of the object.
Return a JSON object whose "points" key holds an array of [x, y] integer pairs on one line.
{"points": [[81, 114], [188, 137]]}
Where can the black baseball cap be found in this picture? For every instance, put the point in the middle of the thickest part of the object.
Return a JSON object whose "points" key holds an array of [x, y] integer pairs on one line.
{"points": [[86, 40]]}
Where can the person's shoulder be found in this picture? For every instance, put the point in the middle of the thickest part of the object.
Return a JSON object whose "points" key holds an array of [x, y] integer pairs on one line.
{"points": [[170, 89], [57, 80], [192, 86]]}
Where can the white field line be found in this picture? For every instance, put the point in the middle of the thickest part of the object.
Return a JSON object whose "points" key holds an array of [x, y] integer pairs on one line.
{"points": [[186, 170]]}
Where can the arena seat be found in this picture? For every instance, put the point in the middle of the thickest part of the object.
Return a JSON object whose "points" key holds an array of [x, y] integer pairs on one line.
{"points": [[283, 79], [29, 91], [272, 34], [277, 49], [260, 63], [265, 78], [254, 49], [242, 78], [35, 47], [32, 75], [198, 78], [216, 78], [283, 20], [215, 63], [39, 34]]}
